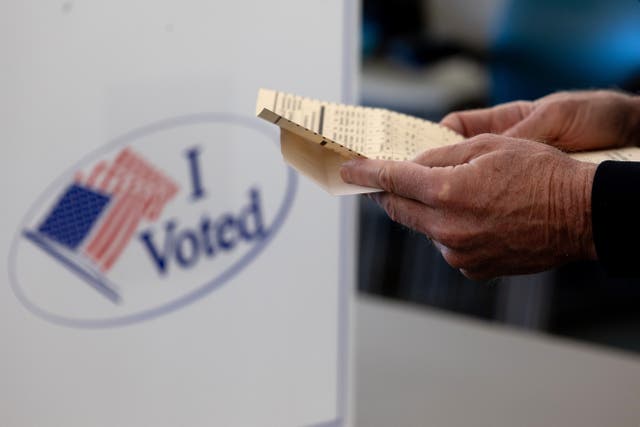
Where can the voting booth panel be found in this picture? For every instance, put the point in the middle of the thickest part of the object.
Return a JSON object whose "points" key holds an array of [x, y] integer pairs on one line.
{"points": [[163, 265]]}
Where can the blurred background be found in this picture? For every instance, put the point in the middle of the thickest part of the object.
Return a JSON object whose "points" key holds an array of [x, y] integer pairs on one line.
{"points": [[429, 57]]}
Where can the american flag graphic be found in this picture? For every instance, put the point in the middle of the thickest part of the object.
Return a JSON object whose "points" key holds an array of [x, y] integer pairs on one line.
{"points": [[94, 220]]}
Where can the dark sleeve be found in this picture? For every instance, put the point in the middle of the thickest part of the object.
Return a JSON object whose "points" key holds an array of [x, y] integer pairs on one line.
{"points": [[615, 210]]}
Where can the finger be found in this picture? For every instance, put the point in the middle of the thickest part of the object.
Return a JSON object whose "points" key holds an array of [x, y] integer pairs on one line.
{"points": [[460, 153], [428, 221], [406, 179], [488, 120], [541, 125], [462, 261], [411, 213]]}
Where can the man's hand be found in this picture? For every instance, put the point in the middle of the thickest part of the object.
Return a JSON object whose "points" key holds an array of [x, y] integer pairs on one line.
{"points": [[570, 121], [492, 205]]}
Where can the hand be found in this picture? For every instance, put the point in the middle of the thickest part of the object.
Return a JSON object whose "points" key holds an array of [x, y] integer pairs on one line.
{"points": [[492, 205], [570, 121]]}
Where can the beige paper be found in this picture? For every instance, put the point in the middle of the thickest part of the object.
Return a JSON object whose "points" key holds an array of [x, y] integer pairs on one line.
{"points": [[629, 154], [317, 137], [318, 164]]}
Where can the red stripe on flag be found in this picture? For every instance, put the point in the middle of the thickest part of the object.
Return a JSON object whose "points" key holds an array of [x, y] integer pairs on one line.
{"points": [[120, 162], [124, 236], [113, 221], [95, 173]]}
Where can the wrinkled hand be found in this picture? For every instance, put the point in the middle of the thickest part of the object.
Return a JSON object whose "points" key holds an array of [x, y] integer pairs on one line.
{"points": [[570, 121], [492, 205]]}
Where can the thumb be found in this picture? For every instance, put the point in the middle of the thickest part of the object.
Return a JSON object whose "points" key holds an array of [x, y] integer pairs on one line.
{"points": [[460, 153], [538, 126], [488, 120]]}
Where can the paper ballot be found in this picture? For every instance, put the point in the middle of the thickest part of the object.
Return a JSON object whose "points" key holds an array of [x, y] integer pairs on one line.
{"points": [[317, 137]]}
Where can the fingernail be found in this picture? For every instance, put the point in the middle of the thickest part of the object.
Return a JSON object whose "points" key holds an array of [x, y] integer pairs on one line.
{"points": [[345, 169], [375, 197]]}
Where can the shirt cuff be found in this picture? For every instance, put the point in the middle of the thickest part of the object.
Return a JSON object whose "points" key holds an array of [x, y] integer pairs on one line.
{"points": [[615, 210]]}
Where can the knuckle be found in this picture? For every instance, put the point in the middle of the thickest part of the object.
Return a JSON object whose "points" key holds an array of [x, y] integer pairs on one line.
{"points": [[556, 108], [480, 138], [524, 107], [443, 193], [439, 231], [454, 258], [390, 206], [450, 236], [400, 213], [453, 239], [450, 195], [444, 234], [385, 178], [484, 141]]}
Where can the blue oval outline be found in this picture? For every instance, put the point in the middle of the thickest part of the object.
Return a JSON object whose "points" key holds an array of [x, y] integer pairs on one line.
{"points": [[188, 298]]}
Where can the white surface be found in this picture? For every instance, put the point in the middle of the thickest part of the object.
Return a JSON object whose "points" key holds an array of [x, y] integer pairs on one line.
{"points": [[417, 367], [260, 350]]}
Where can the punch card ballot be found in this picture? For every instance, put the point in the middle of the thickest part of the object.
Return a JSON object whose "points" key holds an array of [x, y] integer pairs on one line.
{"points": [[318, 136]]}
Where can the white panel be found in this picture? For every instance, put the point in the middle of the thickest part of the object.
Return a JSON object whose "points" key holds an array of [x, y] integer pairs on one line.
{"points": [[250, 329]]}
